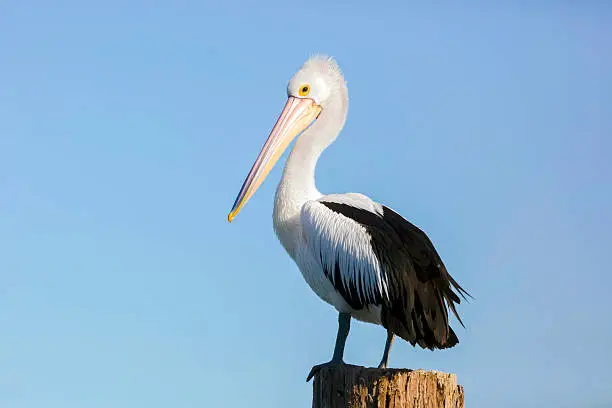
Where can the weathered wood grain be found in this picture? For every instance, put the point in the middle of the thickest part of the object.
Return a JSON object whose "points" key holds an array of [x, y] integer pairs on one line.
{"points": [[352, 386]]}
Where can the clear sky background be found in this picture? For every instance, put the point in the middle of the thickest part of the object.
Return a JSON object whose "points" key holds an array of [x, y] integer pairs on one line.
{"points": [[127, 128]]}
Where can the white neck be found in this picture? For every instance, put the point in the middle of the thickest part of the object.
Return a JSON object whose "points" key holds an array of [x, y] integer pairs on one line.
{"points": [[297, 185]]}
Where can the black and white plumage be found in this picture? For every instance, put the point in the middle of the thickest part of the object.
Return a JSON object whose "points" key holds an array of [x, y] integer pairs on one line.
{"points": [[359, 256], [375, 257]]}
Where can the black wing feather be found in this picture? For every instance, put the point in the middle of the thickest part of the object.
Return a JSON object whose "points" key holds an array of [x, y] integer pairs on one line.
{"points": [[420, 287]]}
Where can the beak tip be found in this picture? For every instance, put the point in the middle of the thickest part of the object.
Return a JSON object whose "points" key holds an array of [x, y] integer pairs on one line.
{"points": [[230, 217]]}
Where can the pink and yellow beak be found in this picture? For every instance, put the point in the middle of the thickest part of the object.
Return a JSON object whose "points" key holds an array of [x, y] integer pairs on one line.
{"points": [[297, 116]]}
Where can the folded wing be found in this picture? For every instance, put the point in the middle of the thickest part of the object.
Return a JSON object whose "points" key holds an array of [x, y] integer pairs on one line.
{"points": [[373, 256]]}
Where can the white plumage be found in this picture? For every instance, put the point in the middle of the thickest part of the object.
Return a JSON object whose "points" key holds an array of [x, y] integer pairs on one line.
{"points": [[357, 255], [333, 238]]}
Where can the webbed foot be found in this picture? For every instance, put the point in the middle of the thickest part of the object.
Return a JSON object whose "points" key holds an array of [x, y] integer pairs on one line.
{"points": [[318, 367]]}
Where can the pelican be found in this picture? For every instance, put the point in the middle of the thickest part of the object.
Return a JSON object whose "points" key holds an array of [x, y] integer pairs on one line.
{"points": [[359, 256]]}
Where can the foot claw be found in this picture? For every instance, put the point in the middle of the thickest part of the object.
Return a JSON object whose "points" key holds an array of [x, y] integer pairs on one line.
{"points": [[318, 368]]}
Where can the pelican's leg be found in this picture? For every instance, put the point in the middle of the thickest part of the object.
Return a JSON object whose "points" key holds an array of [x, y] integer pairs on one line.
{"points": [[344, 325], [385, 358]]}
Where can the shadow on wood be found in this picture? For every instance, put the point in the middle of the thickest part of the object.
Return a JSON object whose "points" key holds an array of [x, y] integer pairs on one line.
{"points": [[352, 386]]}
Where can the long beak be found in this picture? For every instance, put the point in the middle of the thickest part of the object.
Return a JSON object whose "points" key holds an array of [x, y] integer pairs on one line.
{"points": [[296, 117]]}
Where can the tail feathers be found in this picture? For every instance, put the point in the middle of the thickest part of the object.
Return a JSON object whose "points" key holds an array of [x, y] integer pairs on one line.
{"points": [[421, 319], [451, 297], [417, 330]]}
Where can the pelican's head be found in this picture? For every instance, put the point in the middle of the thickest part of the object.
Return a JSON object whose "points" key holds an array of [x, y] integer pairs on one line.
{"points": [[316, 90], [320, 80]]}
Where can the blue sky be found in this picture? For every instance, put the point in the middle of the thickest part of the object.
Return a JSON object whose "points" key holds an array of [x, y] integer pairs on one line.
{"points": [[127, 128]]}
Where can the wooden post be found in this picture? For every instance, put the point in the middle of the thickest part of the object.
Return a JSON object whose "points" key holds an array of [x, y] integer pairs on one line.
{"points": [[352, 386]]}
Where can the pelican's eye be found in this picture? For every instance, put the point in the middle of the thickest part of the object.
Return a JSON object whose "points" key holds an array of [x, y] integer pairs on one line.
{"points": [[304, 90]]}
